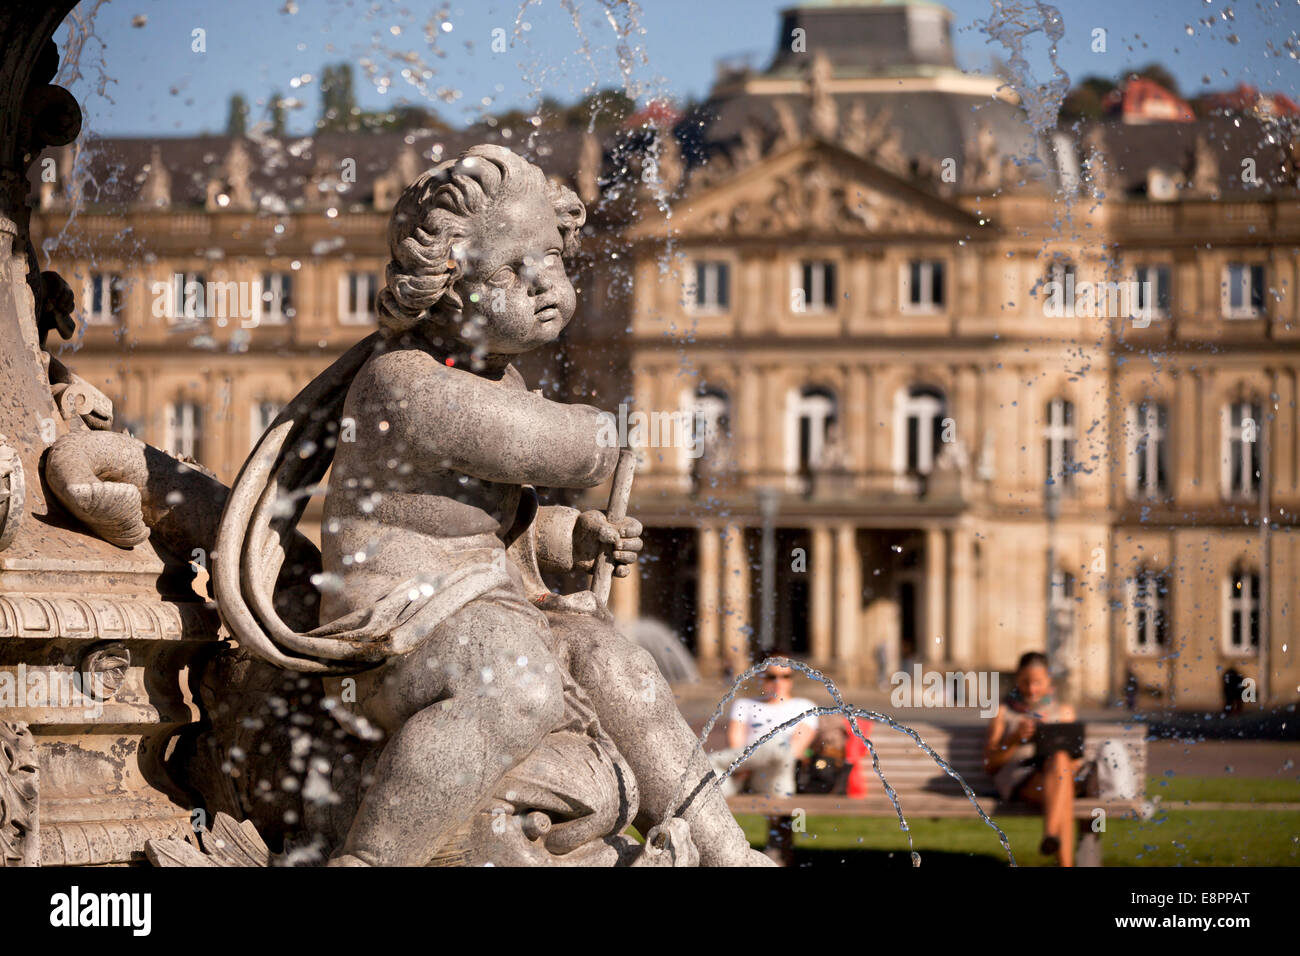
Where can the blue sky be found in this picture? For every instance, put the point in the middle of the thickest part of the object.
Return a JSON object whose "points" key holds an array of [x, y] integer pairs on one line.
{"points": [[162, 87]]}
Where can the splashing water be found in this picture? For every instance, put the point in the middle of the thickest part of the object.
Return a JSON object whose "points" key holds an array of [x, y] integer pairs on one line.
{"points": [[685, 806]]}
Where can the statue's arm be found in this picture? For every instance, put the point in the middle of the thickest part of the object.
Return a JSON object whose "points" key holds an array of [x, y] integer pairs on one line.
{"points": [[467, 424], [555, 524]]}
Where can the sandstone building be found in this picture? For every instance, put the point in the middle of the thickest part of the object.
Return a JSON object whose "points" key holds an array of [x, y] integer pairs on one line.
{"points": [[992, 390]]}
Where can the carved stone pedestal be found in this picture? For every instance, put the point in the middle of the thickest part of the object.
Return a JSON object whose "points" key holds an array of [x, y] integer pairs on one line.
{"points": [[96, 642]]}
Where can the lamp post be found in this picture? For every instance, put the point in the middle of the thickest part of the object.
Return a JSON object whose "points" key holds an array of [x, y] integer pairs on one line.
{"points": [[1265, 573], [769, 502], [1052, 509]]}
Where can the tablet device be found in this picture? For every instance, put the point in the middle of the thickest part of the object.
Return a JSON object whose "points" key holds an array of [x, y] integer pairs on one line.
{"points": [[1050, 738]]}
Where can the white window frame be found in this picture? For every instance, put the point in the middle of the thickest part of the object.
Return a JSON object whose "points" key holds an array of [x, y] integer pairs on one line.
{"points": [[1144, 589], [176, 315], [1244, 281], [1147, 436], [822, 301], [816, 408], [927, 269], [907, 406], [109, 283], [346, 314], [707, 277], [1242, 601], [183, 428], [1059, 438], [1151, 273], [270, 301], [1233, 434]]}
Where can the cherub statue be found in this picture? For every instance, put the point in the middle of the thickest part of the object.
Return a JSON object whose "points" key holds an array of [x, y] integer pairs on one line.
{"points": [[433, 541]]}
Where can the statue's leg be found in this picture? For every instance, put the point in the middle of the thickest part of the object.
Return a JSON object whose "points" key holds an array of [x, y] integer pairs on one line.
{"points": [[636, 708], [468, 704]]}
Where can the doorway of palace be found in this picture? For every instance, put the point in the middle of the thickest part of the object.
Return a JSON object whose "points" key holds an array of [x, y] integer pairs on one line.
{"points": [[791, 607], [669, 573]]}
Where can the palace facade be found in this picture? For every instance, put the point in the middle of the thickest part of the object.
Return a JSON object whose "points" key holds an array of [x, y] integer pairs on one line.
{"points": [[990, 390]]}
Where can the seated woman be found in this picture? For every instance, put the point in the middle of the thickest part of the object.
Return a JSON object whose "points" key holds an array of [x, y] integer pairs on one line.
{"points": [[1009, 755]]}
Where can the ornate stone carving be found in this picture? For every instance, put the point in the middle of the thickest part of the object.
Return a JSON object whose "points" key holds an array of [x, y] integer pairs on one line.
{"points": [[13, 493], [590, 157], [156, 191], [94, 618], [1203, 168], [505, 673], [104, 668], [822, 114], [808, 199], [19, 791], [983, 160]]}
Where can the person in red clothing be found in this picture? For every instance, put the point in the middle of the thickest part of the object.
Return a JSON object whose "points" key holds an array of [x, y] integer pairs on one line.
{"points": [[858, 758]]}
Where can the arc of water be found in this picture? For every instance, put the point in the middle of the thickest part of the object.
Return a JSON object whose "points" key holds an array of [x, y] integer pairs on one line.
{"points": [[685, 809]]}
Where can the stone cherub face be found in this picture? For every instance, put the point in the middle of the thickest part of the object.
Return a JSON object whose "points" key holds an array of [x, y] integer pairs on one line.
{"points": [[478, 252], [514, 290]]}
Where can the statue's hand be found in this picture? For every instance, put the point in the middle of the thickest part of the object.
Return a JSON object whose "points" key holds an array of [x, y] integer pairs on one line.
{"points": [[593, 534]]}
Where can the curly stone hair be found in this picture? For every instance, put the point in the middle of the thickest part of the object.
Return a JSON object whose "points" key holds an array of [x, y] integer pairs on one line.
{"points": [[432, 220]]}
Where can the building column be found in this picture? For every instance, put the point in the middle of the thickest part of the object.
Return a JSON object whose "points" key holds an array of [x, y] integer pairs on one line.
{"points": [[883, 629], [934, 641], [821, 597], [848, 603], [735, 599], [707, 631], [625, 596], [961, 611]]}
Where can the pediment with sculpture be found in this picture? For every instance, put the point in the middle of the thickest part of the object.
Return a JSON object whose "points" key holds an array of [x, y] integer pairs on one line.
{"points": [[814, 189]]}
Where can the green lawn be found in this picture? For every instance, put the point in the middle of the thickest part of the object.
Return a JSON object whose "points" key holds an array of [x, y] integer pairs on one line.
{"points": [[1174, 789], [1173, 837]]}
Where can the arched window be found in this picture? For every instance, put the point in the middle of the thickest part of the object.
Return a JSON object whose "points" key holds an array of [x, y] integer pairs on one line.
{"points": [[918, 433], [1240, 460], [1147, 434], [711, 424], [812, 411], [1059, 438]]}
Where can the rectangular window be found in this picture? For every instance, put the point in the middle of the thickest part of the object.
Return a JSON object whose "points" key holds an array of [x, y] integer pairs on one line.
{"points": [[1148, 624], [275, 306], [1243, 291], [711, 291], [184, 429], [1242, 637], [1063, 272], [1153, 287], [1060, 442], [814, 287], [189, 298], [923, 286], [1147, 433], [357, 294], [1240, 463], [103, 302]]}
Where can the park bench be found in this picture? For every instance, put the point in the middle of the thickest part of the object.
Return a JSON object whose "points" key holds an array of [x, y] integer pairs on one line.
{"points": [[926, 792]]}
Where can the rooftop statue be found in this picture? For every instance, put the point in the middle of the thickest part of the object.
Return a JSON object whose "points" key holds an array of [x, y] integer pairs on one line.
{"points": [[507, 724]]}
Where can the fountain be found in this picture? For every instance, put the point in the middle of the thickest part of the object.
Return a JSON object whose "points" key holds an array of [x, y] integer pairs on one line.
{"points": [[310, 712]]}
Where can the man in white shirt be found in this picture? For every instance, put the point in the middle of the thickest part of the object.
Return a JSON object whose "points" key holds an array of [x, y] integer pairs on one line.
{"points": [[772, 766]]}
